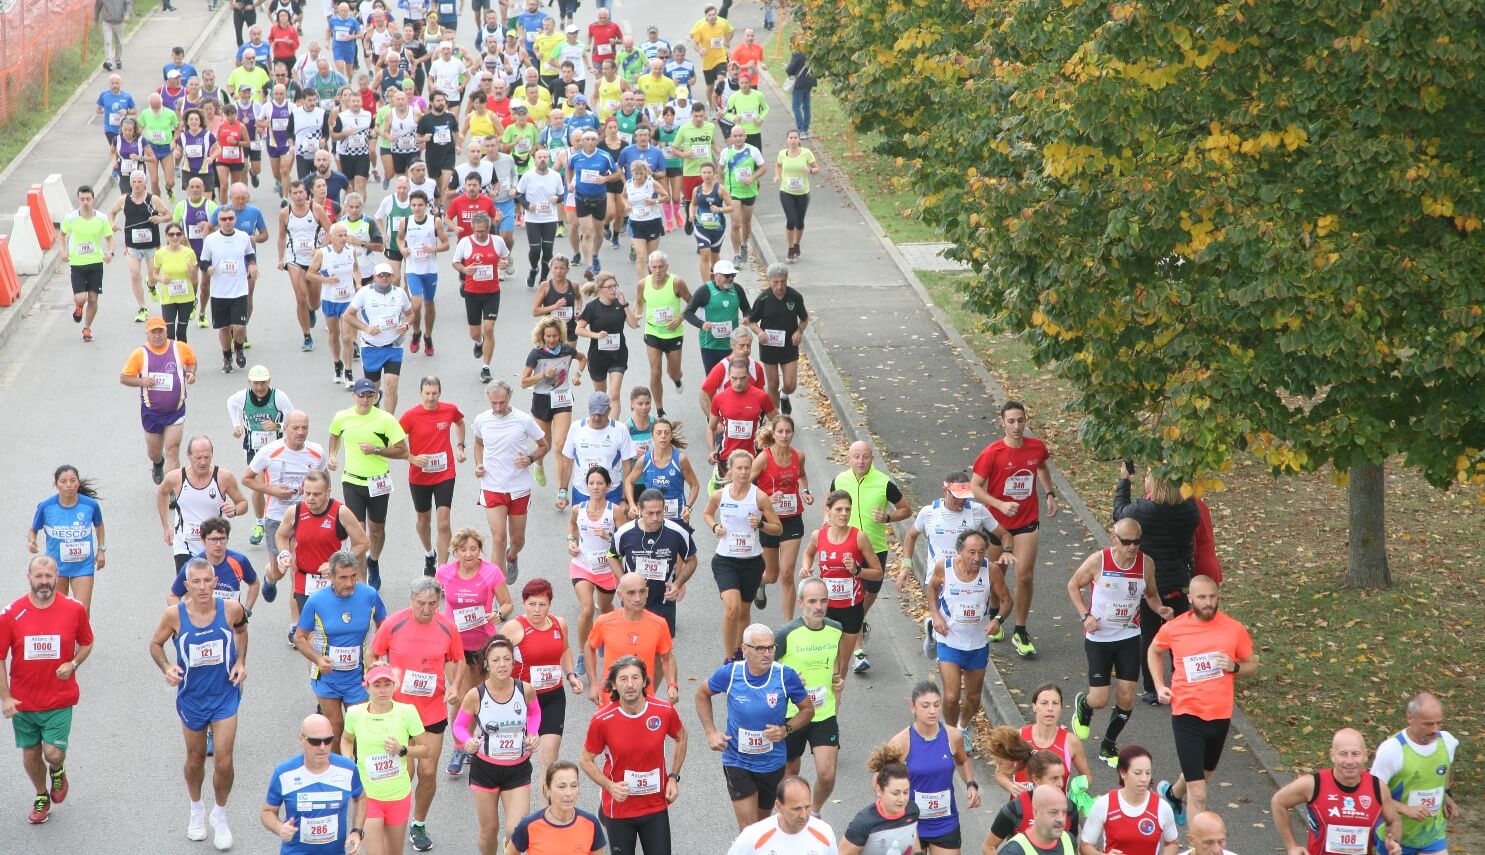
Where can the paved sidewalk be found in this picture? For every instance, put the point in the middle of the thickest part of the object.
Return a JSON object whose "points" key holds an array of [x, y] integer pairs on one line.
{"points": [[899, 374], [73, 144]]}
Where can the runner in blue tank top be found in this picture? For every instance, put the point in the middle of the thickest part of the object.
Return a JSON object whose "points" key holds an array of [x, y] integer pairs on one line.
{"points": [[666, 469], [758, 692], [934, 751]]}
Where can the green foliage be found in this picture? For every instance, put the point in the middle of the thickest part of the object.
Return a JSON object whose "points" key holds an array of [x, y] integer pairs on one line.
{"points": [[1236, 226]]}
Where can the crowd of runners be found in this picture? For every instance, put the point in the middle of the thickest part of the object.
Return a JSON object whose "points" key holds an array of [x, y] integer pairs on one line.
{"points": [[400, 137]]}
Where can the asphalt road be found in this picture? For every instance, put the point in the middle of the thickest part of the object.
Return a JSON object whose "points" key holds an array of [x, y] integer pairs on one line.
{"points": [[65, 405]]}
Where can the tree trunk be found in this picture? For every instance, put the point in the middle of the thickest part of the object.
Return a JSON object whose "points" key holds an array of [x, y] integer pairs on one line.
{"points": [[1366, 566]]}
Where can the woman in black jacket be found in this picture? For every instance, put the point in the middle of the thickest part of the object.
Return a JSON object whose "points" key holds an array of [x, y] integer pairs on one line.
{"points": [[1169, 531], [804, 86]]}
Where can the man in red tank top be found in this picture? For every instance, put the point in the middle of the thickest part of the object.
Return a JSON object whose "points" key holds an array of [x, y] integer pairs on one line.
{"points": [[310, 532], [1344, 805]]}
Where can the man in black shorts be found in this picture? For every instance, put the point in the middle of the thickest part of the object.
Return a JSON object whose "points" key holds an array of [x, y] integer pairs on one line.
{"points": [[810, 644], [779, 318], [431, 469], [660, 550]]}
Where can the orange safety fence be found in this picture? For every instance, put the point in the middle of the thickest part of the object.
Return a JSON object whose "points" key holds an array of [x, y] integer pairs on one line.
{"points": [[32, 32]]}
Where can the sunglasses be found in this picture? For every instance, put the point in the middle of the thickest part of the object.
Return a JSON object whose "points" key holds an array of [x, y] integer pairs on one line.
{"points": [[319, 740], [1128, 541]]}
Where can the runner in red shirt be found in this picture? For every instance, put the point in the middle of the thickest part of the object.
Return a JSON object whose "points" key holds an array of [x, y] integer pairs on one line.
{"points": [[544, 658], [638, 787], [424, 650], [430, 470], [1006, 476], [45, 637], [736, 414], [468, 203], [604, 37], [742, 345]]}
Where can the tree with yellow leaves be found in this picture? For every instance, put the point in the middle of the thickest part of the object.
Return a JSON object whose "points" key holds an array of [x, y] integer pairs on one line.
{"points": [[1232, 226]]}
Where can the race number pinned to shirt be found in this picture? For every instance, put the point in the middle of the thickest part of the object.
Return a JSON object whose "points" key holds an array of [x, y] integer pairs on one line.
{"points": [[544, 677], [752, 741], [178, 287], [468, 618], [437, 462], [1020, 485], [314, 583], [419, 684], [775, 338], [610, 341], [561, 398], [42, 647], [739, 429], [205, 655], [933, 805], [1202, 666], [74, 551], [381, 485], [384, 766], [652, 569], [794, 184], [345, 658], [319, 829], [642, 783], [141, 234]]}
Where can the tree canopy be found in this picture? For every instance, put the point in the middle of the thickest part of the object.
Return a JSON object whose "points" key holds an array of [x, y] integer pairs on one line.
{"points": [[1233, 226]]}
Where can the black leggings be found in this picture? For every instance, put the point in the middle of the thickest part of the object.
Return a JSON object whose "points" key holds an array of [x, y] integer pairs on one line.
{"points": [[651, 831], [177, 319], [795, 206], [241, 18], [539, 240], [1150, 624]]}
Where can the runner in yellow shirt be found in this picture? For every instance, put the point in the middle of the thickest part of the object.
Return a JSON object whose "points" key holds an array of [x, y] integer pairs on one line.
{"points": [[712, 36]]}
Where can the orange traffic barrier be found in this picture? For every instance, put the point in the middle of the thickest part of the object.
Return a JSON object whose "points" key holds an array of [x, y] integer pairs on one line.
{"points": [[41, 219], [10, 283]]}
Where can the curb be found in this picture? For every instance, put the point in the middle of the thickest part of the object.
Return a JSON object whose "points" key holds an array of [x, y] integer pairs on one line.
{"points": [[32, 286], [996, 696]]}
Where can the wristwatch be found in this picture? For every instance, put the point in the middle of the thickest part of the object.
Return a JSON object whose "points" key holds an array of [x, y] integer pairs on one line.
{"points": [[675, 776]]}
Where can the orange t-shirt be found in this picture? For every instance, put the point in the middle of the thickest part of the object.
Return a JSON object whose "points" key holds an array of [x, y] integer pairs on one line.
{"points": [[1199, 687], [746, 53], [135, 363], [417, 653], [647, 638]]}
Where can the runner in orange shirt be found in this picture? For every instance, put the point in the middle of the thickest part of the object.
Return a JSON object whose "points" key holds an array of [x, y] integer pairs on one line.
{"points": [[1208, 650], [631, 631], [749, 55]]}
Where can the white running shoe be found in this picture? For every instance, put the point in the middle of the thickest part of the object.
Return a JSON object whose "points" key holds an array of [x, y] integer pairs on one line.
{"points": [[222, 838], [196, 830]]}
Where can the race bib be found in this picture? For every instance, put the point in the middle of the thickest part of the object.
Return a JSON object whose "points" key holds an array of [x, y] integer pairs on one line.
{"points": [[482, 272], [717, 42], [642, 783], [544, 209], [193, 151], [419, 684], [933, 805], [39, 647], [523, 145], [673, 508], [709, 220], [178, 287], [381, 485], [1347, 840], [407, 141], [314, 583], [1431, 799], [745, 172], [86, 247], [775, 338], [281, 124], [445, 9], [468, 618], [700, 150], [645, 212], [743, 544], [1019, 486], [590, 176], [840, 587], [1120, 612], [303, 245], [437, 462], [319, 829], [341, 290], [752, 741], [562, 313], [819, 695], [653, 569], [74, 551], [969, 612], [345, 658], [739, 429], [786, 505], [157, 137], [142, 235], [340, 36], [1202, 666], [231, 152], [164, 381], [610, 341], [383, 766], [196, 231], [748, 118], [794, 184], [112, 120], [441, 135], [561, 397], [203, 655], [610, 106], [126, 166], [544, 677], [603, 50], [229, 266], [721, 329], [506, 746]]}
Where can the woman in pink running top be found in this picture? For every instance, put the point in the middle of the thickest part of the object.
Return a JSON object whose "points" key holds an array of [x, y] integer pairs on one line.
{"points": [[476, 599]]}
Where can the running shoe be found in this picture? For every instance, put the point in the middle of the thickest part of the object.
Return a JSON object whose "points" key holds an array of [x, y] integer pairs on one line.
{"points": [[997, 635], [1177, 807], [157, 470], [77, 314], [745, 252], [561, 230], [512, 569], [430, 565], [531, 279], [291, 644], [737, 260], [427, 347], [615, 242], [374, 576], [417, 342], [278, 188], [335, 376], [41, 810], [226, 365], [246, 345], [141, 315], [678, 383], [241, 357], [456, 763], [760, 599], [1024, 648], [1080, 727], [1108, 752], [582, 667], [689, 229], [270, 591], [312, 318], [253, 177], [201, 320], [256, 536], [865, 634], [540, 474], [930, 646], [632, 257], [222, 834], [485, 374], [60, 787], [785, 406], [309, 344], [479, 349], [862, 664], [87, 333], [355, 351], [597, 266], [350, 378], [196, 828], [577, 258], [417, 834]]}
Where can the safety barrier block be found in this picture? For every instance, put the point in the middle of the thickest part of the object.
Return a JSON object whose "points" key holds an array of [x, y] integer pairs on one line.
{"points": [[25, 250], [10, 283], [41, 218], [54, 192]]}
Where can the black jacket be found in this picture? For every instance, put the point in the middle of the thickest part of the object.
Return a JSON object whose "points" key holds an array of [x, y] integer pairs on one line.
{"points": [[799, 68], [1169, 535]]}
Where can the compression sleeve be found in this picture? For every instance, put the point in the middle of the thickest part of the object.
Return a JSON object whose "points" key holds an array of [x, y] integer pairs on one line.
{"points": [[462, 721], [533, 719]]}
